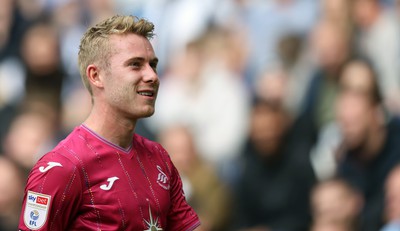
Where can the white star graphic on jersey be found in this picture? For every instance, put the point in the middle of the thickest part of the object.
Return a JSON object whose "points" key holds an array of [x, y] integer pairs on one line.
{"points": [[152, 225]]}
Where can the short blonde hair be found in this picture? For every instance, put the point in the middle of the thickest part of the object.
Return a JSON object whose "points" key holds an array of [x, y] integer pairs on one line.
{"points": [[94, 47]]}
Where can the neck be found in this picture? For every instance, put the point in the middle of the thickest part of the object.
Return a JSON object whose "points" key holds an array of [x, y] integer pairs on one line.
{"points": [[111, 125]]}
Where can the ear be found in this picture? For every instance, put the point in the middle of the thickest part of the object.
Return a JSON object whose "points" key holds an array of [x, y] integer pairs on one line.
{"points": [[93, 75]]}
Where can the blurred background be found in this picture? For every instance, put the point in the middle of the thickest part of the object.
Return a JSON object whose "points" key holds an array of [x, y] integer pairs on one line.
{"points": [[280, 115]]}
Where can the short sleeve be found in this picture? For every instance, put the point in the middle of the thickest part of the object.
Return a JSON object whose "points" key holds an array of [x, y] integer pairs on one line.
{"points": [[52, 195], [181, 216]]}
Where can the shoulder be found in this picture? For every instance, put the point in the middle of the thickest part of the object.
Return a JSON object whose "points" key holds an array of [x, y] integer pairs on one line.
{"points": [[52, 168], [55, 181], [58, 166], [75, 147]]}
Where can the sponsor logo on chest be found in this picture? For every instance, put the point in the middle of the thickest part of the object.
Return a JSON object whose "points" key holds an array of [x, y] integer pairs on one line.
{"points": [[36, 209]]}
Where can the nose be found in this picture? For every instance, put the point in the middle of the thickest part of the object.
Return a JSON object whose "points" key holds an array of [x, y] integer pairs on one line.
{"points": [[150, 75]]}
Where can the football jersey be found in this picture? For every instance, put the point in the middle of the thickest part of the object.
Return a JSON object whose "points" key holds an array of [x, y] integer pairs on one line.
{"points": [[88, 183]]}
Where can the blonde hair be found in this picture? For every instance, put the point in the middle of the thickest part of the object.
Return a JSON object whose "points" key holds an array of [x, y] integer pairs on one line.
{"points": [[94, 47]]}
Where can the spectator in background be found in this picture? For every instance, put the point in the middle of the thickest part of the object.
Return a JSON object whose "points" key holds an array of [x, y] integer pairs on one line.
{"points": [[12, 83], [370, 147], [100, 9], [335, 24], [330, 44], [378, 39], [31, 10], [276, 178], [203, 91], [265, 23], [287, 80], [392, 201], [179, 22], [68, 18], [7, 16], [11, 192], [15, 20], [204, 191], [41, 59], [338, 11], [75, 109], [296, 62], [336, 206], [396, 5], [36, 126], [273, 85]]}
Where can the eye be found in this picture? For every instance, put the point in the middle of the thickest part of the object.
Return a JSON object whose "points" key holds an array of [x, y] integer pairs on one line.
{"points": [[153, 65], [136, 65]]}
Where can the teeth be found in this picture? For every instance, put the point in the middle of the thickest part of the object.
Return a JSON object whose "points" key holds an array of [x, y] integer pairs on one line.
{"points": [[146, 93]]}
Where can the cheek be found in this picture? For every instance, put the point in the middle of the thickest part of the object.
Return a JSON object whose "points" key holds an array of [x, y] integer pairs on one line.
{"points": [[119, 94], [355, 126], [351, 114]]}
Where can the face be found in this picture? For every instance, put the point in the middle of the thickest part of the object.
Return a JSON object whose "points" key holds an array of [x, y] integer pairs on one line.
{"points": [[273, 86], [331, 227], [362, 11], [179, 143], [329, 44], [332, 202], [34, 131], [40, 49], [130, 83], [334, 6], [354, 109], [267, 128], [11, 187]]}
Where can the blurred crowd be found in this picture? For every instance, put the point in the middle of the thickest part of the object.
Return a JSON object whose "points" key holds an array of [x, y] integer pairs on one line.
{"points": [[280, 115]]}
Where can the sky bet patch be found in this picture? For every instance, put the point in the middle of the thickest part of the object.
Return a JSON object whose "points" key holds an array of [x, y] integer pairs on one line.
{"points": [[36, 210]]}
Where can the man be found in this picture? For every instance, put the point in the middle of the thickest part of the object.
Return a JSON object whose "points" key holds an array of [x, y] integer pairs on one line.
{"points": [[375, 25], [370, 147], [276, 178], [103, 176], [335, 205]]}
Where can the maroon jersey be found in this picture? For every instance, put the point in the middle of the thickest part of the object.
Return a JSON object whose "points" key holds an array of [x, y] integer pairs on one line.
{"points": [[88, 183]]}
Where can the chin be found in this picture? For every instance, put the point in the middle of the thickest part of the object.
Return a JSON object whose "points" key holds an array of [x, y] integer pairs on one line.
{"points": [[147, 113], [141, 112], [355, 147]]}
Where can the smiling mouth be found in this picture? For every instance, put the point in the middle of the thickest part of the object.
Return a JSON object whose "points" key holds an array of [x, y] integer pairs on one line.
{"points": [[146, 93]]}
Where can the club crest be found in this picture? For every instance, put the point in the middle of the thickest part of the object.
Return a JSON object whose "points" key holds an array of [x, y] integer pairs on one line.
{"points": [[162, 179]]}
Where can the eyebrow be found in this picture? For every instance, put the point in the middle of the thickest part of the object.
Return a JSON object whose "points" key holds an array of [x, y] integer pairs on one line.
{"points": [[140, 59]]}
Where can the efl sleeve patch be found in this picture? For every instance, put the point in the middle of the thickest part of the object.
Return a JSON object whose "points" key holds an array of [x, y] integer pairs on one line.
{"points": [[36, 210]]}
